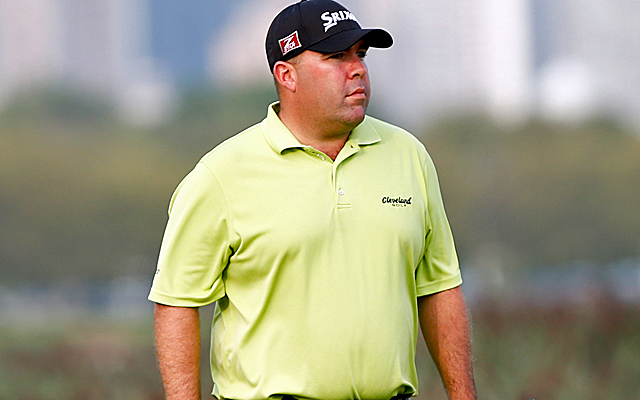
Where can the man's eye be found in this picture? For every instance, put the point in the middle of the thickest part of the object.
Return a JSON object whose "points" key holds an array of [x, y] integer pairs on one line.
{"points": [[336, 56], [362, 54]]}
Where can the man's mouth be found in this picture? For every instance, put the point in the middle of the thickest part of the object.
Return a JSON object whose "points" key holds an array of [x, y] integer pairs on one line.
{"points": [[359, 92]]}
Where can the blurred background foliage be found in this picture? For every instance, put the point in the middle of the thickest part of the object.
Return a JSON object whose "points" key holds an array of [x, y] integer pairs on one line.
{"points": [[83, 202], [550, 194], [83, 196]]}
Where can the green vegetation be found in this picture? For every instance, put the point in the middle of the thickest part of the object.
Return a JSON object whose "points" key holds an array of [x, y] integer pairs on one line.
{"points": [[548, 195], [83, 198], [561, 353], [82, 195], [89, 359]]}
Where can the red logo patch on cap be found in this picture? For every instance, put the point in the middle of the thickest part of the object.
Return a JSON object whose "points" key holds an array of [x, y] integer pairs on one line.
{"points": [[289, 43]]}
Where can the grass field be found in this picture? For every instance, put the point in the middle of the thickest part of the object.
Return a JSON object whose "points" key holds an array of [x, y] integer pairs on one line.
{"points": [[559, 353]]}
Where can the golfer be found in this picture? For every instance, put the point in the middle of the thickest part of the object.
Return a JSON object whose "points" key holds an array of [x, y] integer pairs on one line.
{"points": [[321, 235]]}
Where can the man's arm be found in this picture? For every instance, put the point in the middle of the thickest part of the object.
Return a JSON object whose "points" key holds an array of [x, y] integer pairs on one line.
{"points": [[445, 326], [177, 331]]}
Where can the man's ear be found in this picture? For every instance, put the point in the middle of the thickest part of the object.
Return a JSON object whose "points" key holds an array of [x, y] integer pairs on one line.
{"points": [[285, 74]]}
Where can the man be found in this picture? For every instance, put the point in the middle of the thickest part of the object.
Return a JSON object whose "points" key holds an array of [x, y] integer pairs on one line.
{"points": [[321, 235]]}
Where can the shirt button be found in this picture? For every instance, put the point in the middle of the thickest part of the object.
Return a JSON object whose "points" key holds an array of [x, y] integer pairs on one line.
{"points": [[340, 192]]}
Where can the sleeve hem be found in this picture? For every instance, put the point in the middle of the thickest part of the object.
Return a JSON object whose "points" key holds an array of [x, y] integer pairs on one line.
{"points": [[439, 286], [181, 302]]}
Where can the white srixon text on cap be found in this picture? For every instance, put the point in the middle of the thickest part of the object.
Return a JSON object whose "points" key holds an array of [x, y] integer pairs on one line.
{"points": [[332, 18]]}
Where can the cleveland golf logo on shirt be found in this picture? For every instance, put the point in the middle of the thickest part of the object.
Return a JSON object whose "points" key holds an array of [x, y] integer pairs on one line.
{"points": [[332, 18], [397, 201], [289, 43]]}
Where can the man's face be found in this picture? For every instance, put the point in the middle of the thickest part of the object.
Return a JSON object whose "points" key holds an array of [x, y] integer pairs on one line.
{"points": [[334, 87]]}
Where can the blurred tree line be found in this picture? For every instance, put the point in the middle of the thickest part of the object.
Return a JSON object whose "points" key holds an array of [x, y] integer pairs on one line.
{"points": [[539, 194], [84, 197]]}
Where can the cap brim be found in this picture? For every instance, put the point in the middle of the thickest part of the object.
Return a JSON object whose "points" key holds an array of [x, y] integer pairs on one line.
{"points": [[343, 40]]}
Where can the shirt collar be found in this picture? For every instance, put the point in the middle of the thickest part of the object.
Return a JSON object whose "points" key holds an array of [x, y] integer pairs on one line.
{"points": [[364, 133], [280, 137], [277, 134]]}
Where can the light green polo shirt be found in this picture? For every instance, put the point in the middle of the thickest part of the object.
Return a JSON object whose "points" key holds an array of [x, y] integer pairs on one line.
{"points": [[315, 264]]}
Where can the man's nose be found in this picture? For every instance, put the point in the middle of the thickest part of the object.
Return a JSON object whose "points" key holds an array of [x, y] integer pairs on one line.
{"points": [[357, 67]]}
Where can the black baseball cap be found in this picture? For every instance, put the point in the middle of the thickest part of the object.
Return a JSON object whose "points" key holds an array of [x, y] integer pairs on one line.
{"points": [[319, 25]]}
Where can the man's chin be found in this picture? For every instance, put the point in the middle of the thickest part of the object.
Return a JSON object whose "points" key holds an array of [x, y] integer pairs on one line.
{"points": [[353, 116], [358, 112], [352, 123]]}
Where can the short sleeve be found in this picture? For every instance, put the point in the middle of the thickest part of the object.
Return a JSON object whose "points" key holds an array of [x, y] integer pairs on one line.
{"points": [[439, 268], [195, 248]]}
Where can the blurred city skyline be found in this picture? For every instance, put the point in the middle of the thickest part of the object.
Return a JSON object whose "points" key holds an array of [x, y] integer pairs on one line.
{"points": [[562, 60]]}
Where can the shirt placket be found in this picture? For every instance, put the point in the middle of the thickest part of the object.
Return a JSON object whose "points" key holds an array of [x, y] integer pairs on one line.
{"points": [[342, 190]]}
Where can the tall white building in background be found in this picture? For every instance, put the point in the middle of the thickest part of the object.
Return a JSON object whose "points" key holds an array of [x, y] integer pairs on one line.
{"points": [[565, 60], [452, 56], [447, 56], [589, 59], [105, 40], [99, 46], [31, 44], [237, 54]]}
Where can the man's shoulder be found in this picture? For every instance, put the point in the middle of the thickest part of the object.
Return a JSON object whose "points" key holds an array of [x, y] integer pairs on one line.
{"points": [[235, 148], [390, 133]]}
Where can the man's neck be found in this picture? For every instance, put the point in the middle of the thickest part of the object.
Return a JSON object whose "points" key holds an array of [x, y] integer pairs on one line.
{"points": [[322, 138], [331, 149]]}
